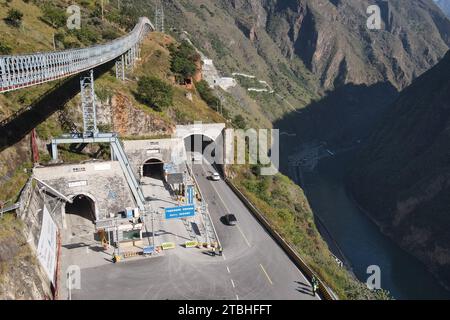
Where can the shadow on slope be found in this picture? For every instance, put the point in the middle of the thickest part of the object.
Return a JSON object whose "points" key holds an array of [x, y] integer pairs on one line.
{"points": [[341, 119], [19, 125]]}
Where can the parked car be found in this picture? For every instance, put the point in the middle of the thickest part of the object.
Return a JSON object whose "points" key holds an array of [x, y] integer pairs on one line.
{"points": [[215, 177], [230, 219]]}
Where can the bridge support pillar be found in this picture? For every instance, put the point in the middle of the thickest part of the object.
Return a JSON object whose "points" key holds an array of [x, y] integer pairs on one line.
{"points": [[120, 68], [54, 150], [88, 105]]}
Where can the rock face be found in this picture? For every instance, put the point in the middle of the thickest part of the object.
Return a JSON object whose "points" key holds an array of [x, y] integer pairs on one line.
{"points": [[125, 118], [403, 175], [21, 275], [332, 38]]}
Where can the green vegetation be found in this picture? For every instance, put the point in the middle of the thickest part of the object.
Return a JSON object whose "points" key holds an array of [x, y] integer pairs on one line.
{"points": [[155, 93], [13, 184], [207, 94], [183, 60], [5, 49], [239, 122], [53, 16], [14, 18]]}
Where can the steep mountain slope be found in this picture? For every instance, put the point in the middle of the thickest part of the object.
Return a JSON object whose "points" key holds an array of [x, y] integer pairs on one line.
{"points": [[332, 39], [403, 174], [444, 5], [329, 36]]}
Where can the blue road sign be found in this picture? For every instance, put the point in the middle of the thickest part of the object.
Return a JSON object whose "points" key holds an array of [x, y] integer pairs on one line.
{"points": [[149, 250], [190, 194], [180, 212]]}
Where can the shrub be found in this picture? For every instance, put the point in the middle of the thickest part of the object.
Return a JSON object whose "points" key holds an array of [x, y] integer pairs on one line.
{"points": [[155, 93], [239, 122], [183, 59], [207, 94], [53, 16], [5, 49], [14, 18]]}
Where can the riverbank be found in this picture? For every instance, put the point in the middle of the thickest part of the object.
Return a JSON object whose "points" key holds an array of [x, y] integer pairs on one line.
{"points": [[383, 229], [361, 240]]}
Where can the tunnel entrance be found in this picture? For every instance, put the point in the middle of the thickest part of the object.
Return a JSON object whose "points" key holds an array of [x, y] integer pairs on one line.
{"points": [[153, 168], [199, 143], [83, 207]]}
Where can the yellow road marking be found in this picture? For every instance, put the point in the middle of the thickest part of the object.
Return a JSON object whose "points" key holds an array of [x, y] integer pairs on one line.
{"points": [[267, 275]]}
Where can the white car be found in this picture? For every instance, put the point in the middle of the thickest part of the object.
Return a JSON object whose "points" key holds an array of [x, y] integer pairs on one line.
{"points": [[215, 177]]}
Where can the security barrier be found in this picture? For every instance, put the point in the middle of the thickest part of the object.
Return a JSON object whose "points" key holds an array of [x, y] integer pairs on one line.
{"points": [[168, 246], [191, 244]]}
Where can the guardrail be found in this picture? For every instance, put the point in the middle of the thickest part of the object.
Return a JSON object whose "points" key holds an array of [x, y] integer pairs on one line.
{"points": [[208, 215], [21, 71], [324, 291]]}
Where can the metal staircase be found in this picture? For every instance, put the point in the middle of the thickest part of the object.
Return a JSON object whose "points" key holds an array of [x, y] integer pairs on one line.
{"points": [[119, 155]]}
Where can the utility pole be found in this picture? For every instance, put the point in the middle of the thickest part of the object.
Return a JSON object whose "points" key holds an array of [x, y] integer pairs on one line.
{"points": [[159, 17], [103, 9]]}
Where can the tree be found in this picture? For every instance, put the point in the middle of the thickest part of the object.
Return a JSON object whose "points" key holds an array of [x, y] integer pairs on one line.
{"points": [[155, 93], [183, 59], [14, 18], [239, 122]]}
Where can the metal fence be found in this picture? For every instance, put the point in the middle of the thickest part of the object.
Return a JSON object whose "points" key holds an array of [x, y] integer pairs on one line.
{"points": [[23, 71]]}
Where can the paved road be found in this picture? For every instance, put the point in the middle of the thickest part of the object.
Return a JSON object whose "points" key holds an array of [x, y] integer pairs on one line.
{"points": [[259, 267], [253, 265]]}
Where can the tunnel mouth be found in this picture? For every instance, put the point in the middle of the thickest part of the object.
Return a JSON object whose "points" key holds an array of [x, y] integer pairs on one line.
{"points": [[82, 206], [153, 168], [198, 143]]}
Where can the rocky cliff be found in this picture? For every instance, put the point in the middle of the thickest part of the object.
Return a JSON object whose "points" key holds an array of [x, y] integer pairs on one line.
{"points": [[332, 39]]}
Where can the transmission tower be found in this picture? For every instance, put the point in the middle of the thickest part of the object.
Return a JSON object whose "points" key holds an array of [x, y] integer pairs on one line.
{"points": [[159, 17]]}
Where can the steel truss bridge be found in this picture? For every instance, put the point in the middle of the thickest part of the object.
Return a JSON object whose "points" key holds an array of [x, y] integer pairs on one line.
{"points": [[23, 71], [28, 70]]}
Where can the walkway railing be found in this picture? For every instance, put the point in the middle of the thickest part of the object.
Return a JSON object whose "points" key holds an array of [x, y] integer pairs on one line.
{"points": [[23, 71]]}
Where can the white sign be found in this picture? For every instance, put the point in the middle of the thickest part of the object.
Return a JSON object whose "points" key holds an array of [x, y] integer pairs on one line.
{"points": [[103, 167], [46, 250], [77, 184]]}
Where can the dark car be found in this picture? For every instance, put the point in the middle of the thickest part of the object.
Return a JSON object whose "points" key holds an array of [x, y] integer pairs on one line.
{"points": [[230, 219]]}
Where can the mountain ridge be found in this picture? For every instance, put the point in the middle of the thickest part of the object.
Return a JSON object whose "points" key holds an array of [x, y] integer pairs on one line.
{"points": [[403, 173]]}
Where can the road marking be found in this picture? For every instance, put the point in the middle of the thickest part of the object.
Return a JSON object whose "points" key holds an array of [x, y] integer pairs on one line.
{"points": [[232, 283], [243, 235], [237, 297], [228, 269], [223, 256], [229, 211], [267, 275]]}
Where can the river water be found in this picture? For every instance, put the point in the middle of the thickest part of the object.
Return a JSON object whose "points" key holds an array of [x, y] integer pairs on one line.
{"points": [[360, 239]]}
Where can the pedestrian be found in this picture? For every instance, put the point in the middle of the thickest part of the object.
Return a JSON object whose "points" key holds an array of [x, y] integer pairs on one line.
{"points": [[315, 285]]}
